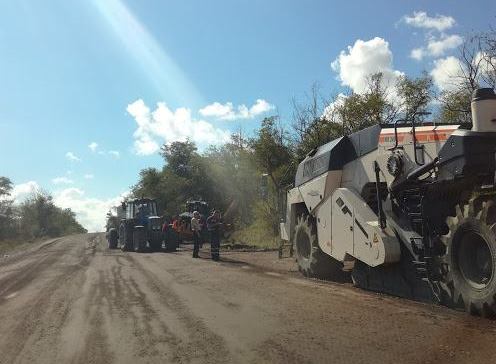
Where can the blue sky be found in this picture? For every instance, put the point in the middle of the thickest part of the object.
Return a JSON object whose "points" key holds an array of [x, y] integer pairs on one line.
{"points": [[80, 73]]}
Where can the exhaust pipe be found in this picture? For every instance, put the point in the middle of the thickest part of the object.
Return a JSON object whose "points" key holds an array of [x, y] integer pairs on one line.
{"points": [[483, 107]]}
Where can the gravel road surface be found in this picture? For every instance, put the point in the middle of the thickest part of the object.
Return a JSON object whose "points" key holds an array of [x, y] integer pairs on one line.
{"points": [[71, 300]]}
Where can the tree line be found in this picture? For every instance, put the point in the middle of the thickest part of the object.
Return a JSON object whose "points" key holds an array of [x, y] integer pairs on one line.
{"points": [[35, 218], [229, 176]]}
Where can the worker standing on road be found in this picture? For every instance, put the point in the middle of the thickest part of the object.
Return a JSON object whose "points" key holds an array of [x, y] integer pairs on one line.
{"points": [[214, 224], [196, 229], [175, 223]]}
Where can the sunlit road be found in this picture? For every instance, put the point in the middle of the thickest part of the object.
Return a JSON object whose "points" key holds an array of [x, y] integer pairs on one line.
{"points": [[73, 301]]}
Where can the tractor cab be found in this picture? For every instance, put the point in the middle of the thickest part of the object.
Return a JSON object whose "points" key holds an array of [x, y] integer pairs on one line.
{"points": [[200, 206], [184, 227], [145, 207]]}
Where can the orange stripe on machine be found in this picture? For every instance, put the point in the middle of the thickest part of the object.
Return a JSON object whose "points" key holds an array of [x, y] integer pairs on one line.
{"points": [[387, 136]]}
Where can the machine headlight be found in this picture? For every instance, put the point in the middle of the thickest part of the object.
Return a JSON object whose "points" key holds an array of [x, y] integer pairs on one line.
{"points": [[395, 164]]}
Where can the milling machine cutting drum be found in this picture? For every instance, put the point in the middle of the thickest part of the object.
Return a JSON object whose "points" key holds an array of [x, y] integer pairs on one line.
{"points": [[409, 210]]}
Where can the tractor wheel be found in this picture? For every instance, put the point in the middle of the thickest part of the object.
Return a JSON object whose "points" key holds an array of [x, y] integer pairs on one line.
{"points": [[171, 241], [139, 238], [155, 246], [470, 258], [171, 248], [123, 244], [312, 261], [113, 237]]}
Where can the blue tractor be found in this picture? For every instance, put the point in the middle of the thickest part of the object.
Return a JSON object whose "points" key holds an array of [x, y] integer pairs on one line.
{"points": [[142, 227]]}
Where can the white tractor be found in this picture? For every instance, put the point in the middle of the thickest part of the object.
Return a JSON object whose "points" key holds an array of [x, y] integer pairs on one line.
{"points": [[409, 210]]}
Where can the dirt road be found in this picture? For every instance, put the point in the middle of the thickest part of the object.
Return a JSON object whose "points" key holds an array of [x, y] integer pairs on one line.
{"points": [[73, 301]]}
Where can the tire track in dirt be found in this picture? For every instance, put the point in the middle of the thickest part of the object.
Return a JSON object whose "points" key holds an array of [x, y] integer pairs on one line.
{"points": [[43, 315], [200, 343]]}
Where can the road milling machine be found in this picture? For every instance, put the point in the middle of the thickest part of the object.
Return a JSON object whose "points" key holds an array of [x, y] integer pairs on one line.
{"points": [[409, 210]]}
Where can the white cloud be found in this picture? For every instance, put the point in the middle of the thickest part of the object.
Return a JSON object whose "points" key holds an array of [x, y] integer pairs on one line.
{"points": [[218, 110], [93, 146], [145, 145], [260, 106], [90, 212], [164, 125], [72, 157], [417, 53], [485, 62], [62, 180], [23, 190], [89, 176], [361, 60], [227, 111], [329, 110], [446, 73], [438, 44], [437, 47], [420, 19], [114, 153]]}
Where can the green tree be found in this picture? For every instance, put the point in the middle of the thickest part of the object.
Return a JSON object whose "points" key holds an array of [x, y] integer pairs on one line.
{"points": [[273, 157], [5, 186], [477, 68], [39, 217], [178, 156], [235, 178], [455, 106], [416, 94], [7, 224], [358, 111]]}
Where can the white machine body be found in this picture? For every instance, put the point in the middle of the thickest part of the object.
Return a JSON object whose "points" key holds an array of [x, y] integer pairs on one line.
{"points": [[347, 227]]}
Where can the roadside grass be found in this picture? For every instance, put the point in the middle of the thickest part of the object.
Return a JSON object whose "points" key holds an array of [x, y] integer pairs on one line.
{"points": [[12, 245], [253, 236]]}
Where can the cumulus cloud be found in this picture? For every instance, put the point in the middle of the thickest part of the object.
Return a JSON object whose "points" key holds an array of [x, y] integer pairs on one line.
{"points": [[446, 73], [438, 43], [72, 157], [420, 19], [227, 111], [114, 153], [23, 190], [417, 53], [329, 110], [89, 176], [361, 60], [90, 212], [93, 146], [437, 46], [62, 181], [164, 125]]}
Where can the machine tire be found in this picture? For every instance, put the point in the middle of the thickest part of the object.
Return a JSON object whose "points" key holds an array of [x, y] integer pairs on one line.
{"points": [[171, 240], [155, 246], [171, 247], [470, 258], [123, 243], [139, 238], [113, 238], [312, 261]]}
